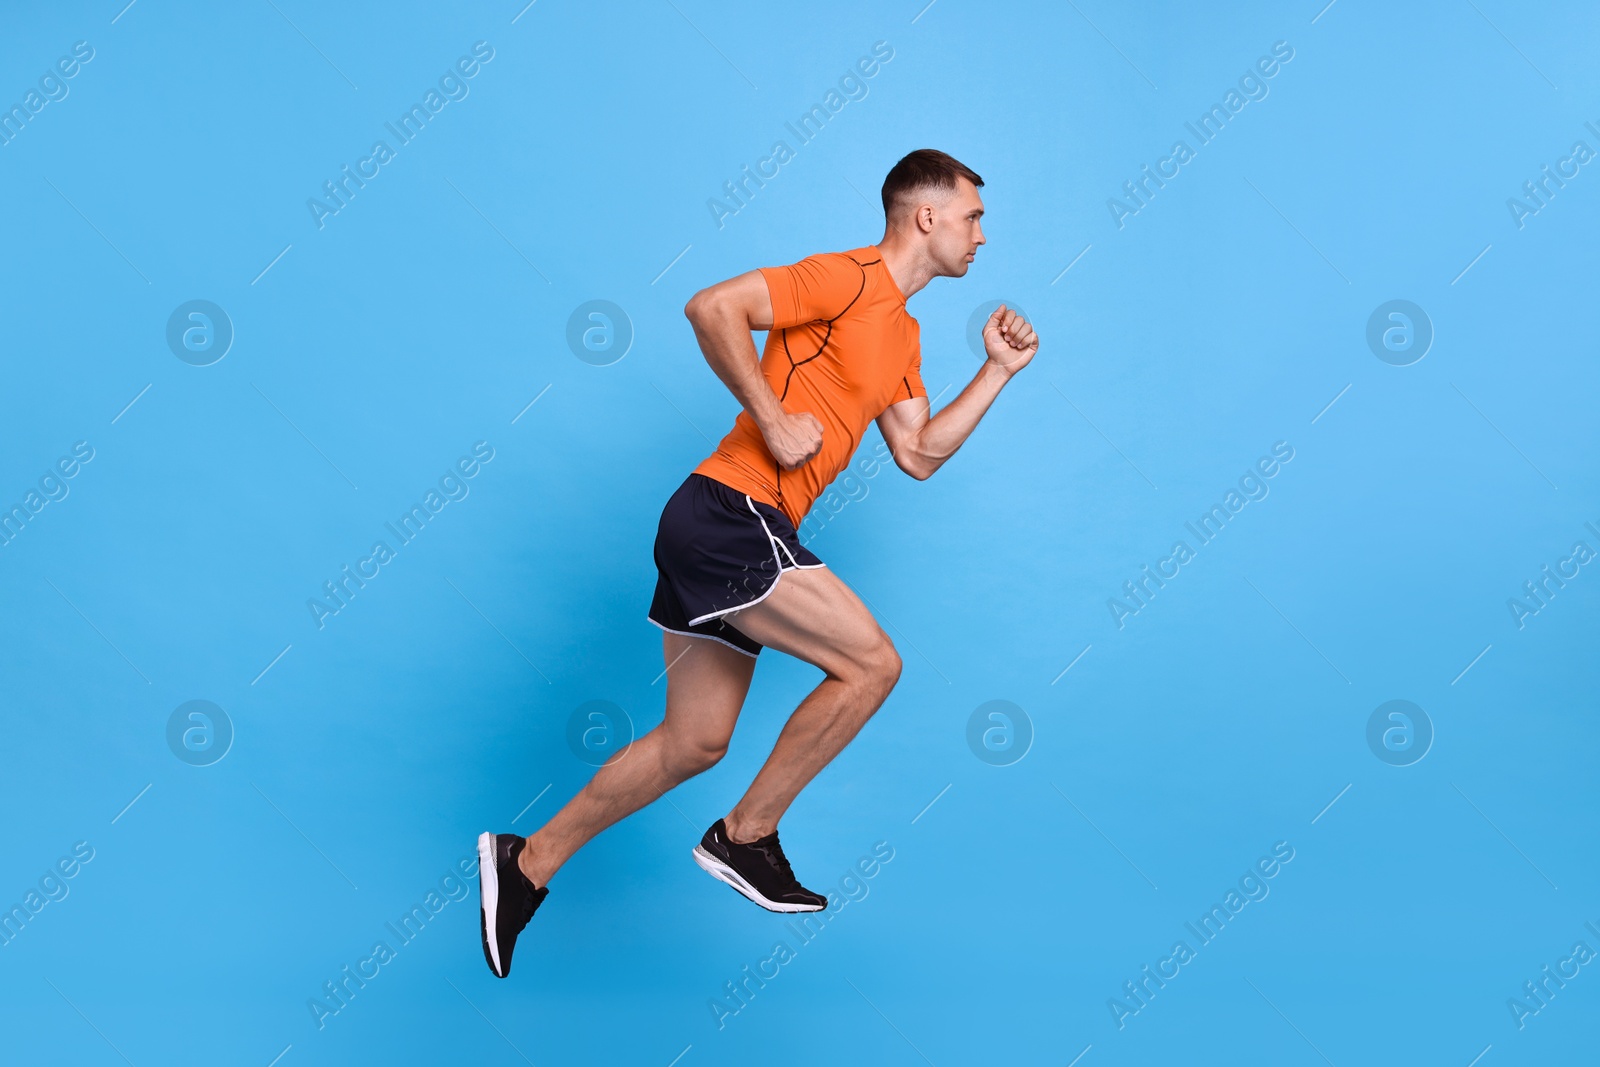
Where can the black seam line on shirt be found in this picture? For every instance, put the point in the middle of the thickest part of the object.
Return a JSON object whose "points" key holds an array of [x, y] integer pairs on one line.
{"points": [[777, 479], [826, 337]]}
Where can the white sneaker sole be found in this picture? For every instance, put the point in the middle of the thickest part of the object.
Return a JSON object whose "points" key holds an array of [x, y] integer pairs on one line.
{"points": [[723, 873], [489, 897]]}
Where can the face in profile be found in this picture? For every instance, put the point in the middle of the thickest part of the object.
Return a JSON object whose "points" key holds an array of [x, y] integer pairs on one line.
{"points": [[957, 231]]}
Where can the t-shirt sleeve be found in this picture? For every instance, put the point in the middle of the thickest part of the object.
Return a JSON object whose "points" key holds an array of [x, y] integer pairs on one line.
{"points": [[911, 385], [815, 289]]}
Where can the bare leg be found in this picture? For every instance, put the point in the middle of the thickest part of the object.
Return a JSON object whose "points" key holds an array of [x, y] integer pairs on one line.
{"points": [[706, 686], [813, 616]]}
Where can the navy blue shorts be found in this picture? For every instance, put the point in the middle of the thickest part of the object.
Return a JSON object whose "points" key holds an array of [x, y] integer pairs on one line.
{"points": [[717, 551]]}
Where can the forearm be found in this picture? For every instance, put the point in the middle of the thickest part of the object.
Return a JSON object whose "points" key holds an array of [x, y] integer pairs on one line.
{"points": [[727, 345], [941, 435]]}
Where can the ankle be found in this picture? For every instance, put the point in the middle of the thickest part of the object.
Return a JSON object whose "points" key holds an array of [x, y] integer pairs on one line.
{"points": [[528, 863], [742, 831]]}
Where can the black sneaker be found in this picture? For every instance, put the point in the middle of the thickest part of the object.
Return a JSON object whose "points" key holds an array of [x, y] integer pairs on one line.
{"points": [[758, 870], [507, 900]]}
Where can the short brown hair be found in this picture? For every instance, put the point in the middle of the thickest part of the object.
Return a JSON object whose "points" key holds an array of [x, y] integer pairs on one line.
{"points": [[924, 168]]}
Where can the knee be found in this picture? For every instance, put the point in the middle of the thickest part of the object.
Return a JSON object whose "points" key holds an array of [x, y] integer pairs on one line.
{"points": [[686, 757], [878, 666], [891, 664]]}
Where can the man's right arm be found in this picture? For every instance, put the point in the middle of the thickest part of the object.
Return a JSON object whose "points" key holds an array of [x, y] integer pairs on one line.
{"points": [[723, 317]]}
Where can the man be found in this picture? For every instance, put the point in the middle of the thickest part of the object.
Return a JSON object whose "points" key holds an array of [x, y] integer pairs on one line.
{"points": [[842, 350]]}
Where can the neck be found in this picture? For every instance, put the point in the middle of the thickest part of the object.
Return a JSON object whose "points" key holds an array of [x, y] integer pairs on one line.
{"points": [[908, 265]]}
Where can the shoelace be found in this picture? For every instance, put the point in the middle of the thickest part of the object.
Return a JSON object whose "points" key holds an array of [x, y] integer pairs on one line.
{"points": [[528, 896], [775, 856]]}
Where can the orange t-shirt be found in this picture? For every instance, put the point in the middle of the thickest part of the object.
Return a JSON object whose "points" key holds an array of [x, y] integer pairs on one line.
{"points": [[842, 347]]}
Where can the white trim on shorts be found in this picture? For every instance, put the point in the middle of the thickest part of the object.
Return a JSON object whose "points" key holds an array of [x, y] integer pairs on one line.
{"points": [[776, 544], [708, 637], [794, 564]]}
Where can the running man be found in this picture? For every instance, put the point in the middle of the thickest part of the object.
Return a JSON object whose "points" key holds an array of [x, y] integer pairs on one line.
{"points": [[842, 351]]}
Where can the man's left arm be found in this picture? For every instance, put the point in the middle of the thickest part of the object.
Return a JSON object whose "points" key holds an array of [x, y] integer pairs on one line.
{"points": [[920, 445]]}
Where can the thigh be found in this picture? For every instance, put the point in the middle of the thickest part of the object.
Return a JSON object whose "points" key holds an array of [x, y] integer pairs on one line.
{"points": [[706, 685], [813, 615]]}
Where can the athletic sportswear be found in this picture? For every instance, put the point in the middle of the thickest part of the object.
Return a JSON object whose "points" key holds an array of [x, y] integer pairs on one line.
{"points": [[718, 550], [758, 870], [842, 347], [507, 900]]}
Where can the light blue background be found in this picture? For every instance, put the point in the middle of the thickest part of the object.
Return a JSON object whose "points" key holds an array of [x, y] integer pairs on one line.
{"points": [[429, 312]]}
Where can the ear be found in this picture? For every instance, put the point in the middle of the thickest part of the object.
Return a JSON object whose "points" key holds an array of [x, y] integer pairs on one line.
{"points": [[924, 218]]}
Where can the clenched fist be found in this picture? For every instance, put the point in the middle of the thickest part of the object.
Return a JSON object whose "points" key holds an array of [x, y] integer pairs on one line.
{"points": [[794, 439], [1009, 340]]}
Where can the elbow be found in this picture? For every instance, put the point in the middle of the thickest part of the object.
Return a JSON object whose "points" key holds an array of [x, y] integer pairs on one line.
{"points": [[918, 467], [914, 460], [695, 307], [701, 307]]}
